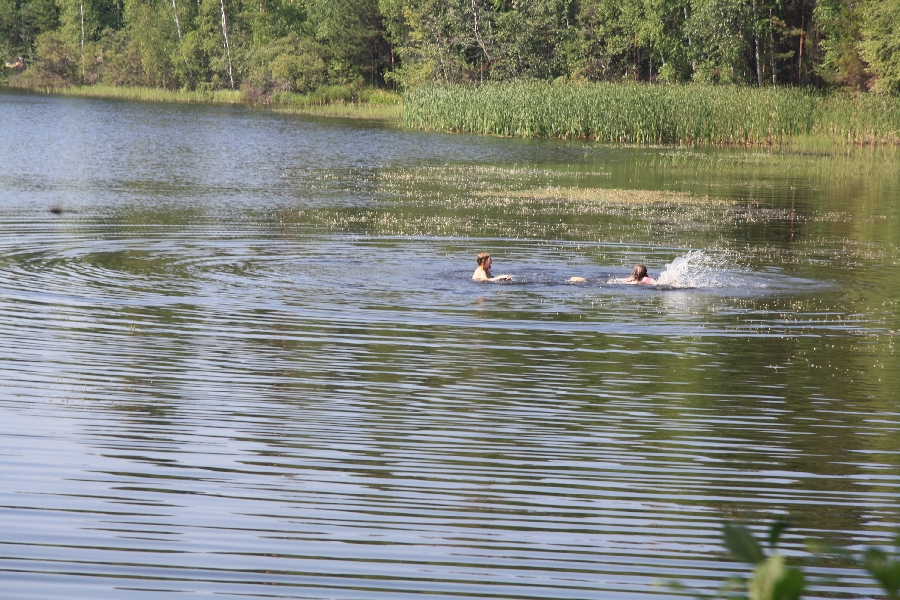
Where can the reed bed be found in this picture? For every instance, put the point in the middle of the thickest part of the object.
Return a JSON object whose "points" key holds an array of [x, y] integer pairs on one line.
{"points": [[333, 101], [337, 94], [341, 101], [652, 114], [858, 119], [150, 94], [373, 112]]}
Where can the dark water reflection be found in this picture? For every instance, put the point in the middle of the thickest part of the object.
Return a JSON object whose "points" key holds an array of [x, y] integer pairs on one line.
{"points": [[247, 358]]}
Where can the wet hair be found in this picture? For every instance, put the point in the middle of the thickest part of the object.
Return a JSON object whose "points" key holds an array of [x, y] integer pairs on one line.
{"points": [[639, 273], [483, 257]]}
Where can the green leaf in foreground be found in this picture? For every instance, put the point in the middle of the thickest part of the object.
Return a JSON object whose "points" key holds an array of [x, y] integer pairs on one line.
{"points": [[742, 544], [775, 532], [884, 569], [772, 580]]}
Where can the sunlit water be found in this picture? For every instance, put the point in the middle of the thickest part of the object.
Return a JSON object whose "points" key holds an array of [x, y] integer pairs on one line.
{"points": [[242, 355]]}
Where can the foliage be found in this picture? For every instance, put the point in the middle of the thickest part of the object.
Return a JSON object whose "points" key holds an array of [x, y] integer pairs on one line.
{"points": [[880, 45], [57, 62], [353, 34], [289, 64], [549, 51], [840, 25], [718, 45], [885, 569], [152, 41], [772, 579], [22, 22], [273, 46]]}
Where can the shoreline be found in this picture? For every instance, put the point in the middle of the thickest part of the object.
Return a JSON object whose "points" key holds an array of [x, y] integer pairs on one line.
{"points": [[287, 103], [640, 115]]}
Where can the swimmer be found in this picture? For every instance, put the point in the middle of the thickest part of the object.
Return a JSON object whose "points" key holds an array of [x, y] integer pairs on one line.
{"points": [[483, 272], [640, 277], [577, 279]]}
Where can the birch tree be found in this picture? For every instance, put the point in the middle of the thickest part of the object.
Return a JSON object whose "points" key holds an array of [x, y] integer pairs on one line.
{"points": [[227, 45]]}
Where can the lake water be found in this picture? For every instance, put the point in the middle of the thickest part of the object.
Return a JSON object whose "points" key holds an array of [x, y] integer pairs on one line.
{"points": [[241, 354]]}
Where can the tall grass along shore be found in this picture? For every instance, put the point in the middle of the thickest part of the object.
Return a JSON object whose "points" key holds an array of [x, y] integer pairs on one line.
{"points": [[334, 101], [148, 94], [603, 112], [655, 114]]}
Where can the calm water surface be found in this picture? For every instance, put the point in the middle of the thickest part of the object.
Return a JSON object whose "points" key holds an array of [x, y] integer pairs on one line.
{"points": [[242, 355]]}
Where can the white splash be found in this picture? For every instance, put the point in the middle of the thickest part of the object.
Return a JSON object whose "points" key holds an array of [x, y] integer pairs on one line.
{"points": [[696, 269]]}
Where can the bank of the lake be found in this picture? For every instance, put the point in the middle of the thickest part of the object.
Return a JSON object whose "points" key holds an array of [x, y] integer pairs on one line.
{"points": [[330, 101], [605, 112], [656, 114]]}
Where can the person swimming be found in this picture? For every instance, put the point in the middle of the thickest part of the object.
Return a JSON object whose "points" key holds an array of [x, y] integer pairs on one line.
{"points": [[483, 272], [639, 276]]}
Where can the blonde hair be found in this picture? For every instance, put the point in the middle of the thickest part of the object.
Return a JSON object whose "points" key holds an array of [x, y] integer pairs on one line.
{"points": [[483, 257], [639, 273]]}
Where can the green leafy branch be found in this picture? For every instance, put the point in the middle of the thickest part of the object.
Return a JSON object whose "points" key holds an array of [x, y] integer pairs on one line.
{"points": [[773, 579]]}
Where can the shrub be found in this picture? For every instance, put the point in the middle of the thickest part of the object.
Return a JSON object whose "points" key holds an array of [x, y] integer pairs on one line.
{"points": [[290, 64], [56, 63]]}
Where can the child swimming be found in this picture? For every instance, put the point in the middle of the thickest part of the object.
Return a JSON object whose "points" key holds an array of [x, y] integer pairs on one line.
{"points": [[483, 272], [639, 276]]}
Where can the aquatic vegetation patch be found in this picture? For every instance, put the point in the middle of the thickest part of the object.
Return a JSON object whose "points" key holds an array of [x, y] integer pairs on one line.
{"points": [[654, 114], [148, 94], [550, 213], [520, 202], [826, 166], [376, 112], [660, 206], [474, 177], [819, 250], [609, 196]]}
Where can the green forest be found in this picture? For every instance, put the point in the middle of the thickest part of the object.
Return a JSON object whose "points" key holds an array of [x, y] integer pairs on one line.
{"points": [[267, 46]]}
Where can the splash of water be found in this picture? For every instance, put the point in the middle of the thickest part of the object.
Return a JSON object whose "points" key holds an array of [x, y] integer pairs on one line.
{"points": [[697, 269]]}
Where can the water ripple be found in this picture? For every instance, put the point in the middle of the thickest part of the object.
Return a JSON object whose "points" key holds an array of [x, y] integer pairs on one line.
{"points": [[273, 376]]}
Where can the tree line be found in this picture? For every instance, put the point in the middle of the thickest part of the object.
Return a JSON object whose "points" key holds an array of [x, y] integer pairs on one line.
{"points": [[267, 46]]}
